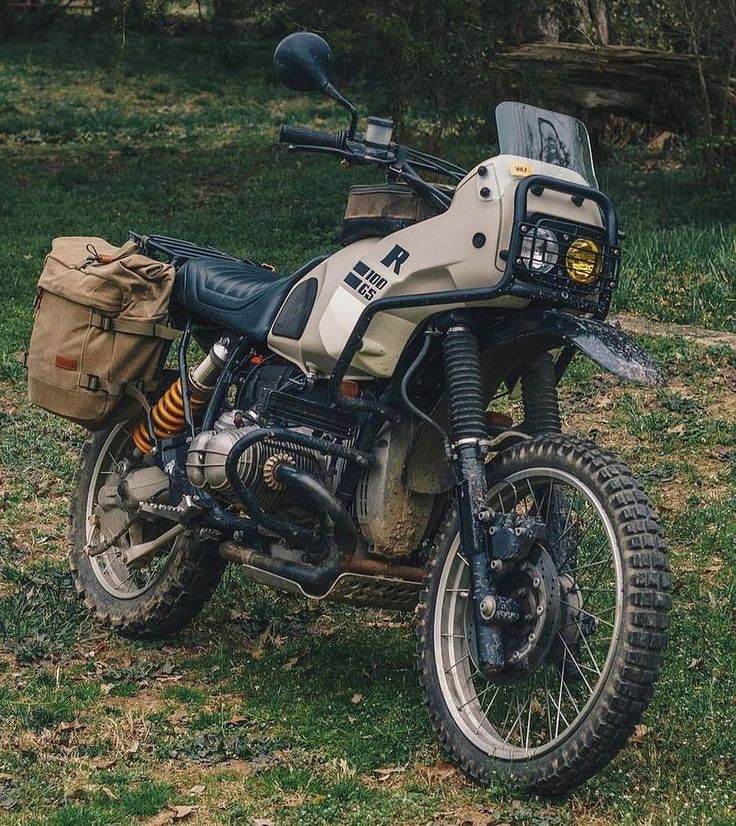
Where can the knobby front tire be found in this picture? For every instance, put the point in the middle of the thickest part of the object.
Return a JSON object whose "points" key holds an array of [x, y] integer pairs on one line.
{"points": [[554, 729]]}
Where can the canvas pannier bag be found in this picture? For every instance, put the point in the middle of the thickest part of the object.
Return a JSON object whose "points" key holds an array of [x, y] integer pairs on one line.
{"points": [[99, 332]]}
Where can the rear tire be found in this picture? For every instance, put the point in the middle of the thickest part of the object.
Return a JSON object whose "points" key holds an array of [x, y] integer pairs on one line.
{"points": [[624, 685], [181, 584]]}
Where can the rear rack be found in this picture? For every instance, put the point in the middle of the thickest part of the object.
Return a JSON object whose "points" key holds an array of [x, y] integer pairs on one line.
{"points": [[178, 251]]}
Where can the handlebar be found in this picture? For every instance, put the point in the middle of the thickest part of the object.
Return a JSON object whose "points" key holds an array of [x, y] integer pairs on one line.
{"points": [[401, 162], [302, 136]]}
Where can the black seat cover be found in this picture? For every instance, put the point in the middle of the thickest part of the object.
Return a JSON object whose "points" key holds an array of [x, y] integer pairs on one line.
{"points": [[242, 297]]}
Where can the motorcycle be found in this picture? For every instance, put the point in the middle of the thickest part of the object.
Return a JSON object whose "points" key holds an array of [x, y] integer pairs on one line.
{"points": [[342, 439]]}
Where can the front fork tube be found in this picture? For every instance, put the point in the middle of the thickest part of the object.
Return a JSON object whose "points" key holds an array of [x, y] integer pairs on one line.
{"points": [[474, 541], [467, 404]]}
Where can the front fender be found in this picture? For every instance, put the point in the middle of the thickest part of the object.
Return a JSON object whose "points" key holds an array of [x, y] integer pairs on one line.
{"points": [[607, 346]]}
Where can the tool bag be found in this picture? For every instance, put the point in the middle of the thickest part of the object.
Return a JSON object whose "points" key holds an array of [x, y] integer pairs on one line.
{"points": [[99, 333], [377, 210]]}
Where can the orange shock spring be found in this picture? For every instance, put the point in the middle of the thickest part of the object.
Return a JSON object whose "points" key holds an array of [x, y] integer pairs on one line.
{"points": [[167, 416]]}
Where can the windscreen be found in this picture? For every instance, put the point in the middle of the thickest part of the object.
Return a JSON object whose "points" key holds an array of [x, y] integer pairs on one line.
{"points": [[541, 135]]}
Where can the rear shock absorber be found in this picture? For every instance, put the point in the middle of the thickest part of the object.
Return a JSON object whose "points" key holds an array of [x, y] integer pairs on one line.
{"points": [[167, 415], [464, 384]]}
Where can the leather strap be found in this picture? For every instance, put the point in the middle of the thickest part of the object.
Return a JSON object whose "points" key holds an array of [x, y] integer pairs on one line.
{"points": [[128, 248]]}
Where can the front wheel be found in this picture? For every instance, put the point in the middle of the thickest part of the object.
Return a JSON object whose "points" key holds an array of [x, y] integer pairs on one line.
{"points": [[583, 658]]}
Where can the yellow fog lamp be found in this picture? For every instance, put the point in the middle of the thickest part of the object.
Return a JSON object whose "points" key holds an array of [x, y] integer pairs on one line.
{"points": [[584, 261]]}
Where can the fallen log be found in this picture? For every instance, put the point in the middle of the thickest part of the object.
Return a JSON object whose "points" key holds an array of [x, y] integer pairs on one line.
{"points": [[658, 88]]}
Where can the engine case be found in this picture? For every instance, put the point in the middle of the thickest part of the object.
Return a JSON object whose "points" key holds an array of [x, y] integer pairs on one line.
{"points": [[392, 517], [208, 454]]}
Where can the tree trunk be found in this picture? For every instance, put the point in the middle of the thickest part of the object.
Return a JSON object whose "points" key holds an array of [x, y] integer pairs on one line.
{"points": [[593, 15], [533, 25]]}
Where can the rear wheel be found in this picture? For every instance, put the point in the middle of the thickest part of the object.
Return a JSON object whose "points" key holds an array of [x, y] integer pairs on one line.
{"points": [[156, 599], [586, 653]]}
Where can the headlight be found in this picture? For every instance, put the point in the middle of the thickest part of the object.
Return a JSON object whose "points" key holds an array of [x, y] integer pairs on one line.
{"points": [[540, 251], [584, 261]]}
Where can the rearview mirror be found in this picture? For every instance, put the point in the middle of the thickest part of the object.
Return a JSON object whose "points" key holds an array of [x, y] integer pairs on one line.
{"points": [[303, 62]]}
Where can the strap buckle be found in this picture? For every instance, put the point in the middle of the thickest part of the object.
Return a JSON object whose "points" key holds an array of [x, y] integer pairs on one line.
{"points": [[104, 322], [89, 382]]}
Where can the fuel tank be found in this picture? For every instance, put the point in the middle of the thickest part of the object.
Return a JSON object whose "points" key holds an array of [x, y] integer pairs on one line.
{"points": [[459, 249]]}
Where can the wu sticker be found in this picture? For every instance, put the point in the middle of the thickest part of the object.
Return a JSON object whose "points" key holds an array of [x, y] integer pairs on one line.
{"points": [[520, 170]]}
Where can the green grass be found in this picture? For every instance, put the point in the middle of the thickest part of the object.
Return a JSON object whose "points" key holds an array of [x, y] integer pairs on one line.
{"points": [[250, 712]]}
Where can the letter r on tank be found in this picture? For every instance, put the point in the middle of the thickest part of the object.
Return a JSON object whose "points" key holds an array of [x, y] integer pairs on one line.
{"points": [[396, 258]]}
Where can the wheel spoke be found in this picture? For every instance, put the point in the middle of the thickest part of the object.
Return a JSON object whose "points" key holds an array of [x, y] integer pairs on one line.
{"points": [[574, 663], [485, 713], [457, 663], [587, 646], [546, 703], [516, 717], [476, 696], [588, 614], [517, 721]]}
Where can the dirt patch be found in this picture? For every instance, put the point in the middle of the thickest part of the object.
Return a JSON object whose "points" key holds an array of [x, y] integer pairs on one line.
{"points": [[648, 327]]}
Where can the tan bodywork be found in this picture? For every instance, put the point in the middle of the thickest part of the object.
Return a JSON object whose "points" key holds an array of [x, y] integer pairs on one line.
{"points": [[441, 256]]}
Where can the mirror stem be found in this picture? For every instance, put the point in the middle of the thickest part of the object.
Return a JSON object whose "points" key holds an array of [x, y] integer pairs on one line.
{"points": [[330, 91]]}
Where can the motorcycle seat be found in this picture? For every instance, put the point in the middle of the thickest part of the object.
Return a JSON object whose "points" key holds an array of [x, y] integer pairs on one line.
{"points": [[241, 296]]}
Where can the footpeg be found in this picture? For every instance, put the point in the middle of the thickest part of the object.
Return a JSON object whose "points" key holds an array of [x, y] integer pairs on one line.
{"points": [[182, 513]]}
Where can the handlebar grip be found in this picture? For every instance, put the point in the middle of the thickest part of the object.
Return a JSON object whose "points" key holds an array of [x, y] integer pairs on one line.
{"points": [[311, 137]]}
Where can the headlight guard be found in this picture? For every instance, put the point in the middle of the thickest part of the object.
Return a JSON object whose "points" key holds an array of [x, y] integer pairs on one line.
{"points": [[559, 262]]}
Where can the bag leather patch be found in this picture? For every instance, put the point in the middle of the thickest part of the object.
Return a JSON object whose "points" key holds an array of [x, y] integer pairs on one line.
{"points": [[66, 362]]}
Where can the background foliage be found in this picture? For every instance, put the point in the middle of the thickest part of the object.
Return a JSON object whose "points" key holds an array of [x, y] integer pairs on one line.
{"points": [[447, 58]]}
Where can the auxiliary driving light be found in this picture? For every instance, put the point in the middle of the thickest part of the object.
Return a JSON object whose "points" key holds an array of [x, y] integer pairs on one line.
{"points": [[583, 261], [540, 250]]}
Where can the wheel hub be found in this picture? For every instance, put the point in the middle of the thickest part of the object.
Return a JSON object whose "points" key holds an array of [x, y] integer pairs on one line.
{"points": [[534, 586]]}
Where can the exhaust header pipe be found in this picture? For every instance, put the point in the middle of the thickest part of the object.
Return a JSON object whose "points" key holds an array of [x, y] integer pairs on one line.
{"points": [[342, 539]]}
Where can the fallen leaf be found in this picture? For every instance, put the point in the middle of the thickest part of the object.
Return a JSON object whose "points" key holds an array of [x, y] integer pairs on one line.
{"points": [[262, 821], [161, 819], [79, 791], [181, 812], [356, 698], [289, 664], [658, 142], [7, 802], [236, 720], [439, 771], [639, 733], [75, 725], [103, 763], [385, 773], [106, 688], [133, 747], [678, 429], [198, 789]]}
